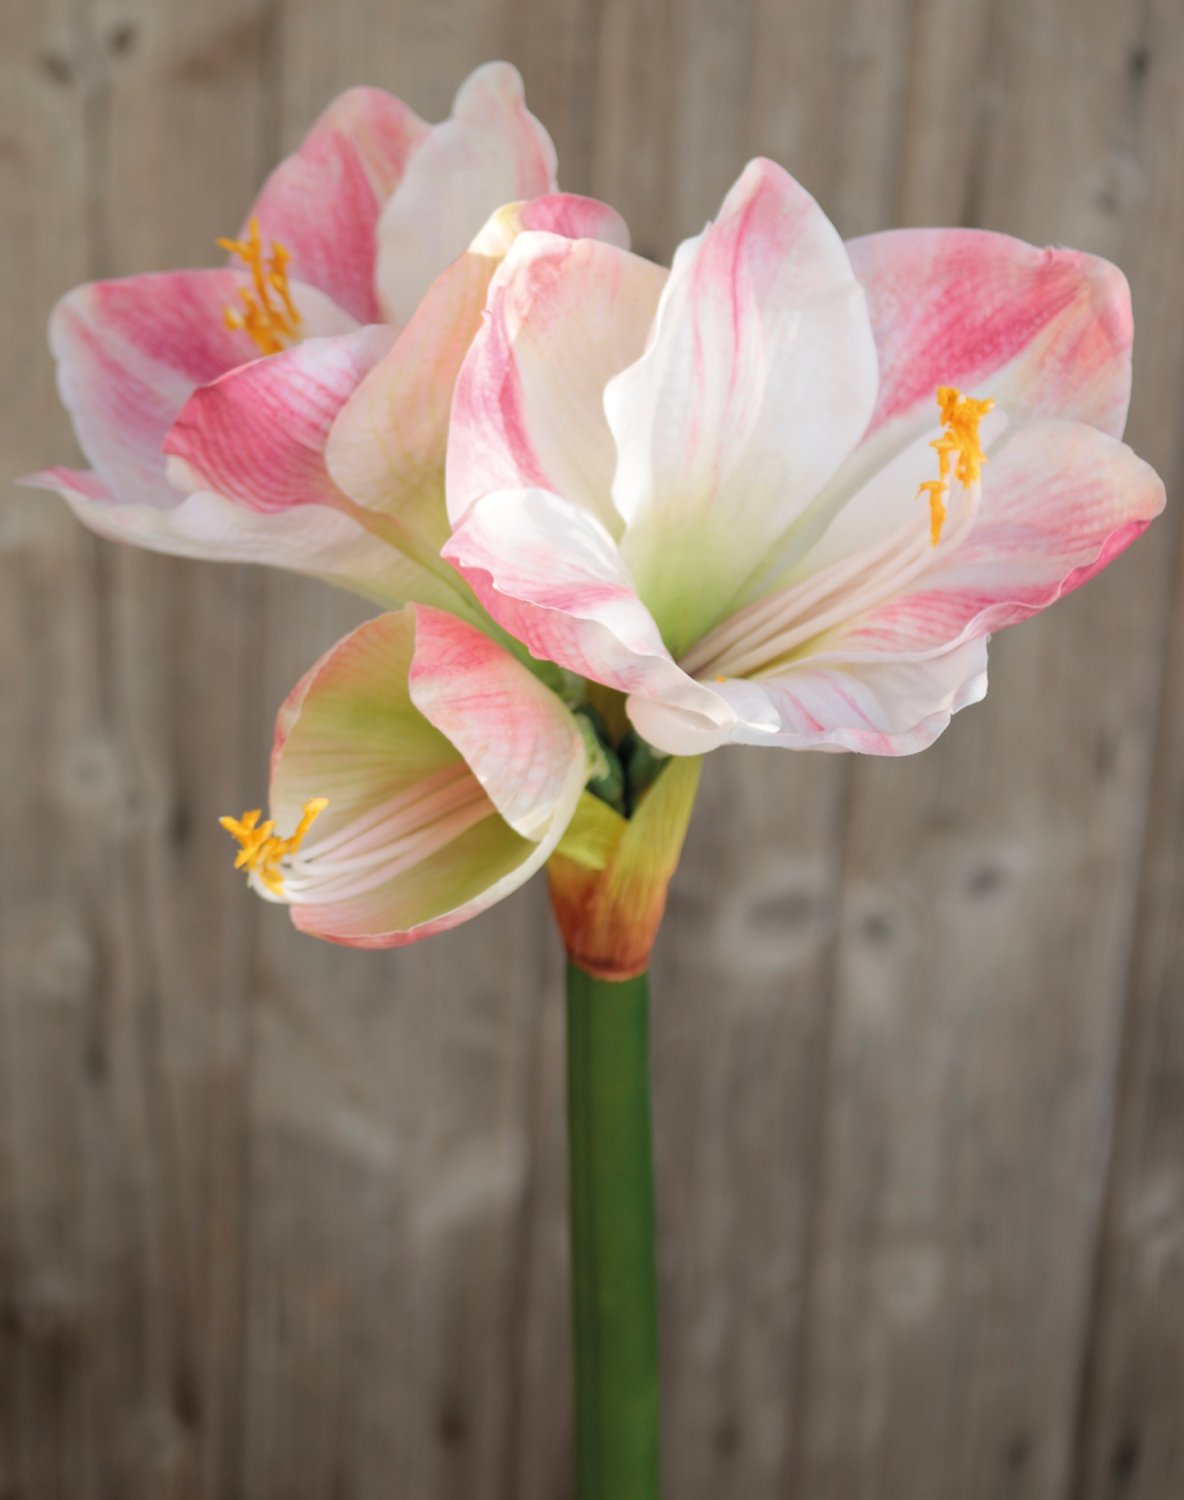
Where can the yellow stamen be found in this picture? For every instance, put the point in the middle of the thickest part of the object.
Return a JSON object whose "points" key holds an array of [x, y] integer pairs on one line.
{"points": [[268, 313], [960, 418], [260, 847]]}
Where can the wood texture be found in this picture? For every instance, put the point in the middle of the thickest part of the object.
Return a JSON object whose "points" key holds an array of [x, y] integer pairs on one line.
{"points": [[282, 1222]]}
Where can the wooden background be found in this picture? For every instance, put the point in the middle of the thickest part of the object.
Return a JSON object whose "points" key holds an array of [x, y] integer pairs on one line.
{"points": [[282, 1222]]}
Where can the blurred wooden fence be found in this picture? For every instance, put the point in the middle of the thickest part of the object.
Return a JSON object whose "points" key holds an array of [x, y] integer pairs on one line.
{"points": [[283, 1222]]}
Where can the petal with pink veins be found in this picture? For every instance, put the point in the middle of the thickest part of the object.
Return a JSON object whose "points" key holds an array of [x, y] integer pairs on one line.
{"points": [[867, 531], [570, 215], [515, 735], [258, 434], [323, 202], [758, 381], [870, 707], [311, 539], [258, 437], [416, 839], [492, 151], [1047, 333], [1060, 501], [564, 316], [551, 574], [387, 448], [131, 352]]}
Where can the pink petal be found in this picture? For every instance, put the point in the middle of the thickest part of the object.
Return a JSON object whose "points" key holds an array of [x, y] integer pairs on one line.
{"points": [[387, 448], [575, 218], [414, 839], [81, 485], [552, 576], [1045, 332], [131, 352], [870, 707], [757, 383], [492, 151], [310, 539], [520, 743], [563, 317], [323, 202], [1060, 501], [257, 435]]}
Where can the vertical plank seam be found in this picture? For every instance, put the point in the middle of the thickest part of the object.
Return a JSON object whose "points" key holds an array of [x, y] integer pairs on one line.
{"points": [[817, 1117], [523, 1234], [96, 149], [1130, 1025]]}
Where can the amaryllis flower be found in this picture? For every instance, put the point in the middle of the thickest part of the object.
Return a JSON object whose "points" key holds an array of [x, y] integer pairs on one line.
{"points": [[333, 265], [420, 773], [783, 493]]}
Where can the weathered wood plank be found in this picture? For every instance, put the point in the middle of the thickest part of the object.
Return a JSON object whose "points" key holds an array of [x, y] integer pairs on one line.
{"points": [[46, 958], [1130, 1432]]}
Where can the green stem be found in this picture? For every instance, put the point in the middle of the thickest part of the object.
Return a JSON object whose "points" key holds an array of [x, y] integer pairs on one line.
{"points": [[614, 1274]]}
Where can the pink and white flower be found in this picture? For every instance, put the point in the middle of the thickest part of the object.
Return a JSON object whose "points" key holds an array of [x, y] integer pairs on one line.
{"points": [[205, 399], [706, 488], [420, 773]]}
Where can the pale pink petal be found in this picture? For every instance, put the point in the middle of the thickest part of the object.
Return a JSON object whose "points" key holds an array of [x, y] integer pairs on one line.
{"points": [[574, 217], [564, 316], [387, 448], [515, 735], [757, 383], [131, 352], [311, 539], [257, 435], [1047, 333], [323, 202], [77, 485], [872, 519], [569, 215], [492, 151], [552, 576], [415, 840], [870, 707], [1060, 500]]}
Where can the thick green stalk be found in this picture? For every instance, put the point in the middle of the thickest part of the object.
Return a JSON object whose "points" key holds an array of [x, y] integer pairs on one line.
{"points": [[614, 1273]]}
